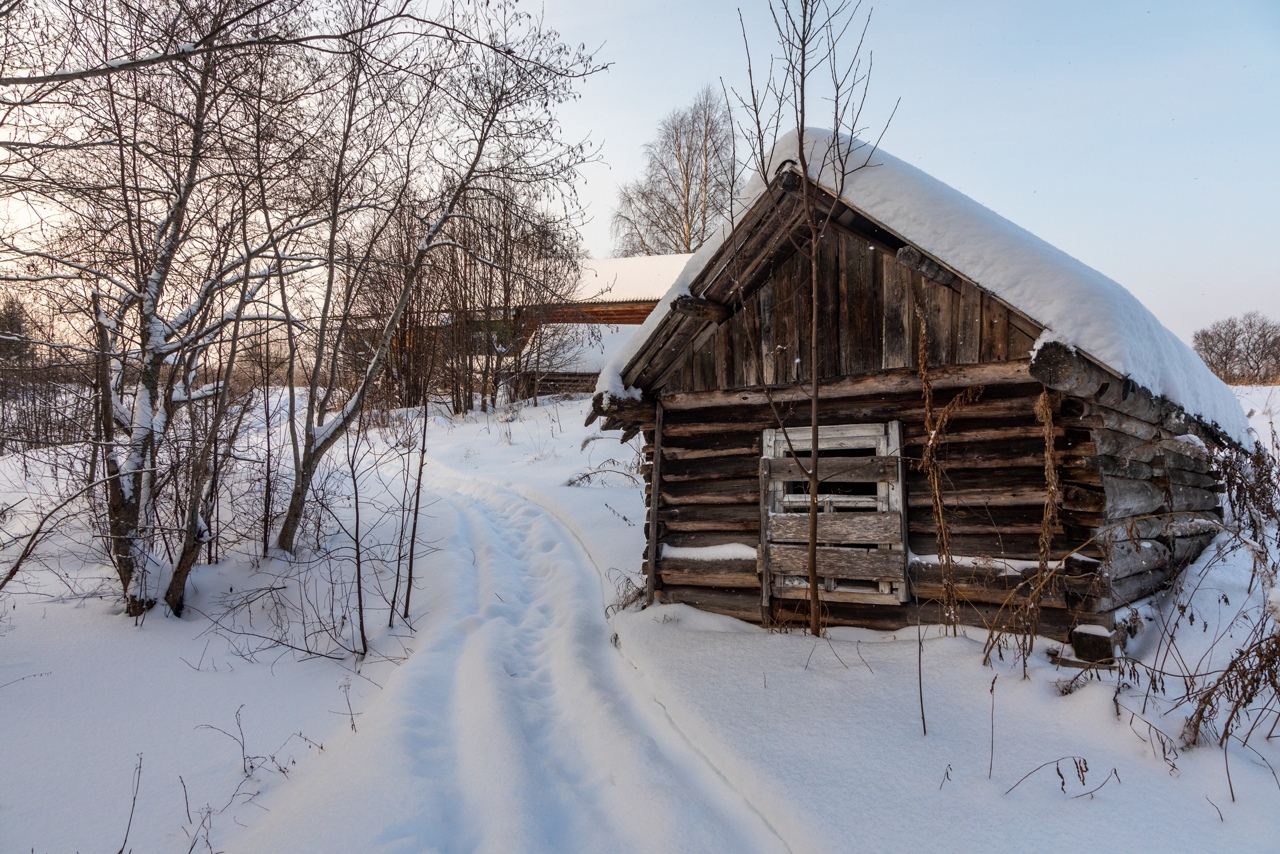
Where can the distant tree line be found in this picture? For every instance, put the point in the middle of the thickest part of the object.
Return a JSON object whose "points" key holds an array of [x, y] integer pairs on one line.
{"points": [[1241, 350]]}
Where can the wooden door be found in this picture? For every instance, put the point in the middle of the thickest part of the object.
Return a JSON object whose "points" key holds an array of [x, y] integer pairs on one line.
{"points": [[862, 555]]}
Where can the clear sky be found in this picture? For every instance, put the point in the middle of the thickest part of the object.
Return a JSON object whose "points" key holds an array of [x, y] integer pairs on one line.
{"points": [[1142, 138]]}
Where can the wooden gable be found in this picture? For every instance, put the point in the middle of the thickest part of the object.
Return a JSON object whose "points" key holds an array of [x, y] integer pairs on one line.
{"points": [[749, 323]]}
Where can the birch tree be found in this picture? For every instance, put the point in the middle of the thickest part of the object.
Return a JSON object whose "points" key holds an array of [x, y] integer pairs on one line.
{"points": [[687, 186]]}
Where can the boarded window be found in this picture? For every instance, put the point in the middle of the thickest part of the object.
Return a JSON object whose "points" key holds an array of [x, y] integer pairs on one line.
{"points": [[861, 552]]}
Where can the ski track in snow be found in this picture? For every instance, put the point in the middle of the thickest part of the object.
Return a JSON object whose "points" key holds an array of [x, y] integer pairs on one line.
{"points": [[524, 734]]}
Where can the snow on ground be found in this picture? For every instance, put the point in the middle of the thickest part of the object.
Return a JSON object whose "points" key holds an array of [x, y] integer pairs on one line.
{"points": [[517, 717]]}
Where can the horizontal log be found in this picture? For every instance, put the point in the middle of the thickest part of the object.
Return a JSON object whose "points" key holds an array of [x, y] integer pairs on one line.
{"points": [[921, 524], [736, 517], [898, 381], [1010, 596], [1001, 545], [958, 435], [1194, 478], [684, 564], [1163, 525], [699, 539], [870, 409], [1127, 557], [736, 466], [838, 469], [993, 496], [858, 597], [1100, 417], [1069, 371], [837, 527], [735, 444], [742, 604], [622, 408], [710, 579], [1139, 585], [1192, 498], [851, 563], [978, 480], [1186, 549], [1126, 497], [744, 491]]}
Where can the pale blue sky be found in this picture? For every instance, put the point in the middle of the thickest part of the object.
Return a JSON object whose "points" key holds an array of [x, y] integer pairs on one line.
{"points": [[1143, 138]]}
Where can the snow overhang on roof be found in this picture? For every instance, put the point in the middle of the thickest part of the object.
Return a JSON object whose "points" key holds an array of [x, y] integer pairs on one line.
{"points": [[1076, 304], [641, 278]]}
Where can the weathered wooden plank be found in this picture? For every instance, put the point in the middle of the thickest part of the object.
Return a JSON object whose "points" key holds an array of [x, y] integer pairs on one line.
{"points": [[655, 509], [748, 342], [710, 573], [768, 367], [898, 306], [902, 381], [718, 517], [968, 323], [828, 305], [726, 491], [859, 597], [862, 308], [837, 527], [939, 306], [994, 346], [707, 447], [711, 578], [1001, 545], [837, 562], [1020, 343], [961, 435], [701, 309], [995, 495], [715, 468], [741, 603], [976, 481], [840, 469], [998, 593], [701, 539]]}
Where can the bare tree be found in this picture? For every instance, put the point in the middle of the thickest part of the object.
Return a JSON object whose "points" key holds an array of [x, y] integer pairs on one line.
{"points": [[144, 218], [687, 185], [467, 116], [813, 64], [1241, 350]]}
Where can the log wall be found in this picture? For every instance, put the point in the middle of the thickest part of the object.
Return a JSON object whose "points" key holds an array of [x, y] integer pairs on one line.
{"points": [[1131, 512]]}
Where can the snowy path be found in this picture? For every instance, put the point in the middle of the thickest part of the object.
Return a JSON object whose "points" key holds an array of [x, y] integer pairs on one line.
{"points": [[515, 726]]}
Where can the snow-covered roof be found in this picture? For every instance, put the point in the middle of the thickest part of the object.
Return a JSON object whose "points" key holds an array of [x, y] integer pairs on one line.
{"points": [[644, 277], [1075, 303]]}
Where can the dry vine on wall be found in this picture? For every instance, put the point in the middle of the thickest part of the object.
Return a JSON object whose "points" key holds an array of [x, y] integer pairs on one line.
{"points": [[935, 427]]}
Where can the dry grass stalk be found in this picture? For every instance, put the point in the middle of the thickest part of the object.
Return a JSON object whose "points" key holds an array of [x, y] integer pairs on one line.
{"points": [[935, 426]]}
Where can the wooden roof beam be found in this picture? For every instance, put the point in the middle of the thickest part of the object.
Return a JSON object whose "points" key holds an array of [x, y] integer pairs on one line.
{"points": [[705, 310]]}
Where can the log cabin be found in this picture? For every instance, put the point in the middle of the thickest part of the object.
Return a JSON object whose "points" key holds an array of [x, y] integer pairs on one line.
{"points": [[1007, 438]]}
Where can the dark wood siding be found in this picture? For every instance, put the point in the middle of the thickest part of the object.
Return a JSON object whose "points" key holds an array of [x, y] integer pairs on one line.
{"points": [[871, 308]]}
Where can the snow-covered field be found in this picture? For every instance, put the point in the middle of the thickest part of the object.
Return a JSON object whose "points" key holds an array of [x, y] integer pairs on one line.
{"points": [[517, 716]]}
